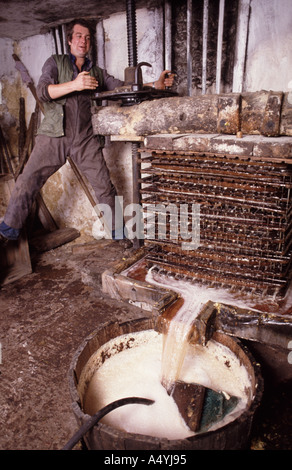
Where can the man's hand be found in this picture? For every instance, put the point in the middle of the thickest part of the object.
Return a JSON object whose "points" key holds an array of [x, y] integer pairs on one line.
{"points": [[166, 79], [84, 81]]}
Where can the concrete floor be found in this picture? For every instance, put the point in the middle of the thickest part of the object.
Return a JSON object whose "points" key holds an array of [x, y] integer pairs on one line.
{"points": [[44, 317]]}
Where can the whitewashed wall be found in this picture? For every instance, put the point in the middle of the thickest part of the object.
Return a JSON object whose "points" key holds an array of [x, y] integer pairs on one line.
{"points": [[33, 52], [10, 89], [269, 54], [149, 40]]}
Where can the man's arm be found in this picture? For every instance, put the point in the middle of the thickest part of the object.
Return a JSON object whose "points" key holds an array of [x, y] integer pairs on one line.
{"points": [[83, 81], [165, 80], [48, 87]]}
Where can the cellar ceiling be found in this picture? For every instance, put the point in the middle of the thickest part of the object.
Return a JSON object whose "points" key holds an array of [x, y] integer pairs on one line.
{"points": [[23, 18]]}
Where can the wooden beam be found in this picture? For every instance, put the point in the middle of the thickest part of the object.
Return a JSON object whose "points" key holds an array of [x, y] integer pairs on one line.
{"points": [[226, 113]]}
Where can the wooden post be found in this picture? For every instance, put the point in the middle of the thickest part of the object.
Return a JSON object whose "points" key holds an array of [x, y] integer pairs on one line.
{"points": [[219, 45], [189, 41], [14, 256], [205, 46], [241, 45]]}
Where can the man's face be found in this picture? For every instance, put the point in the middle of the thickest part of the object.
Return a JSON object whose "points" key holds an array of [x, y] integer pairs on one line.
{"points": [[80, 42]]}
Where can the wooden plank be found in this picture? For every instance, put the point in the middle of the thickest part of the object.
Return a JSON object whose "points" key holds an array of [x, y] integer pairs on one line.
{"points": [[251, 147], [5, 153], [271, 121], [15, 261], [46, 242], [14, 256], [13, 273], [253, 107], [189, 398], [127, 138], [90, 197], [228, 121], [286, 115], [44, 215]]}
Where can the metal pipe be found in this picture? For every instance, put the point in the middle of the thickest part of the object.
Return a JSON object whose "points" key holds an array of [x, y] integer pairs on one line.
{"points": [[100, 44], [64, 36], [58, 45], [189, 54], [219, 45], [167, 36], [205, 46], [60, 32], [55, 40]]}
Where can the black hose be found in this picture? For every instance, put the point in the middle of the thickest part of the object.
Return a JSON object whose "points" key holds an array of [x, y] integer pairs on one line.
{"points": [[100, 414]]}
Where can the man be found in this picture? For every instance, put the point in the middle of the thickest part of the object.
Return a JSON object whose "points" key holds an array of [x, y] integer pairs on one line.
{"points": [[65, 88]]}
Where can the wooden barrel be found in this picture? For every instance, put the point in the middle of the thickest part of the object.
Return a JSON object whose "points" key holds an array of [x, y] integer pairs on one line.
{"points": [[232, 436]]}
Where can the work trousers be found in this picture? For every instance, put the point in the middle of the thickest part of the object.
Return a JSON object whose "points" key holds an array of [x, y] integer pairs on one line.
{"points": [[48, 155]]}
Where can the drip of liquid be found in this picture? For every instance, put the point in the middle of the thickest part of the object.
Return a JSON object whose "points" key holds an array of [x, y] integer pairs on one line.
{"points": [[175, 341]]}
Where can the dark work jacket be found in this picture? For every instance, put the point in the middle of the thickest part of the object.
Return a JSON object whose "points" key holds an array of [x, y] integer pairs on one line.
{"points": [[54, 110]]}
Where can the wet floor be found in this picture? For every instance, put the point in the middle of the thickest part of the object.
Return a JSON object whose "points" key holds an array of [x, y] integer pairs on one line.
{"points": [[44, 317]]}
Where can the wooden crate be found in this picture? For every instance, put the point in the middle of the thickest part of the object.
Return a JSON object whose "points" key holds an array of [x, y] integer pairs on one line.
{"points": [[14, 257]]}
